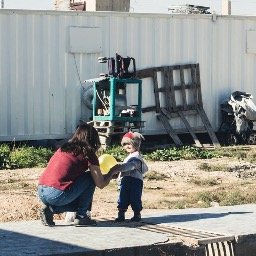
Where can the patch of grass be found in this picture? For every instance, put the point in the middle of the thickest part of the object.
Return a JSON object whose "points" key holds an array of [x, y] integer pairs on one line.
{"points": [[14, 185], [151, 205], [181, 204], [205, 197], [244, 153], [246, 183], [251, 156], [11, 180], [214, 168], [159, 204], [202, 204], [153, 175], [233, 198], [204, 182], [152, 187], [250, 195], [227, 198], [230, 152]]}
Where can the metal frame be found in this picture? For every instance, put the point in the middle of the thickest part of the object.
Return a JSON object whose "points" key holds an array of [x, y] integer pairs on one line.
{"points": [[112, 93]]}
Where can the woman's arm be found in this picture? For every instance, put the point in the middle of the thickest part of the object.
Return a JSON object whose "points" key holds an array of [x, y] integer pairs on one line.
{"points": [[100, 180]]}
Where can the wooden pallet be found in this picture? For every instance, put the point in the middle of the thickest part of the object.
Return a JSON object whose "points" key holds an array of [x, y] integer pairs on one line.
{"points": [[190, 97], [108, 129]]}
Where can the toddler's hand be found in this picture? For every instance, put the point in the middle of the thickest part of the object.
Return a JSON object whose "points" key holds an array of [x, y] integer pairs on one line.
{"points": [[116, 169]]}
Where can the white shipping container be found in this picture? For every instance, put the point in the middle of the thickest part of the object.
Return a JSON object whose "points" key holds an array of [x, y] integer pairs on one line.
{"points": [[46, 55]]}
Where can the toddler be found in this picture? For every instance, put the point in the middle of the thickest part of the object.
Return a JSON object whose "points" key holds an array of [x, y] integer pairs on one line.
{"points": [[131, 183]]}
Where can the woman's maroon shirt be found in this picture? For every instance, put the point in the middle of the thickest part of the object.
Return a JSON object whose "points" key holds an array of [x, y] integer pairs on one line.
{"points": [[64, 168]]}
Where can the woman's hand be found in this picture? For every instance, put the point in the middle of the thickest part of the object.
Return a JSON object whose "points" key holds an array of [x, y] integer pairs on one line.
{"points": [[115, 176], [100, 180]]}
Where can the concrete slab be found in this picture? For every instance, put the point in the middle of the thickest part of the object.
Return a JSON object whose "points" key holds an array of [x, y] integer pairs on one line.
{"points": [[108, 238], [32, 238], [231, 220]]}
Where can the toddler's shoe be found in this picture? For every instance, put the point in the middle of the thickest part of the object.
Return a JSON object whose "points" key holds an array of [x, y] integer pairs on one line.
{"points": [[136, 218], [120, 217]]}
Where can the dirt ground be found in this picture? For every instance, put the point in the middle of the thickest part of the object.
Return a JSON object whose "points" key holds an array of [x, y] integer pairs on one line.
{"points": [[167, 185]]}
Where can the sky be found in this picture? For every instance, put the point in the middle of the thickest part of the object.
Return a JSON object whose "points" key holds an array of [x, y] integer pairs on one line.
{"points": [[239, 7]]}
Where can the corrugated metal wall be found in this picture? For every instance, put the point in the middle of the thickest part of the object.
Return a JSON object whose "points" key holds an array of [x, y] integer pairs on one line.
{"points": [[40, 78]]}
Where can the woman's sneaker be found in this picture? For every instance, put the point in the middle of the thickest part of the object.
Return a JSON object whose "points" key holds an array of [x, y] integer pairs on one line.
{"points": [[84, 221], [46, 216]]}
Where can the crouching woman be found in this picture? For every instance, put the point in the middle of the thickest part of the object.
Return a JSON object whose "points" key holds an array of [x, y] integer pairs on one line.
{"points": [[65, 185]]}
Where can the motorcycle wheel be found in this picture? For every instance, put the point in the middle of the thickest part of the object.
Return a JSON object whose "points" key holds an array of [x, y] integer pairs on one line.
{"points": [[252, 139], [231, 139]]}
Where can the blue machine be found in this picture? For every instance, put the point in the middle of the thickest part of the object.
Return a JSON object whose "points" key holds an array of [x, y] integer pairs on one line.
{"points": [[110, 100]]}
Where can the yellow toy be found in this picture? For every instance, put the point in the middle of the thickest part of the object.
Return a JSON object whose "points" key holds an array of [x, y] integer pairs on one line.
{"points": [[106, 162]]}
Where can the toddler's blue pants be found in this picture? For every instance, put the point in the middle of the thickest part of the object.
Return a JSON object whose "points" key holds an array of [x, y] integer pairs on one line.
{"points": [[130, 194]]}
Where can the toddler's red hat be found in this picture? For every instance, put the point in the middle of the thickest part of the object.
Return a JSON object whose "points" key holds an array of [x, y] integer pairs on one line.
{"points": [[128, 135], [133, 138]]}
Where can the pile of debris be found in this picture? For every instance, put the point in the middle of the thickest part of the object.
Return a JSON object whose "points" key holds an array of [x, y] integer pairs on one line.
{"points": [[238, 119], [189, 9]]}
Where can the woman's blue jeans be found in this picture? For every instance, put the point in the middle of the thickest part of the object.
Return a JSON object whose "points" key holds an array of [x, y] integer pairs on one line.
{"points": [[76, 198]]}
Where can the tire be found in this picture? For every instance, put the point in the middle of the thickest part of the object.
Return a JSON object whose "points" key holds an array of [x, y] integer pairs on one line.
{"points": [[87, 97]]}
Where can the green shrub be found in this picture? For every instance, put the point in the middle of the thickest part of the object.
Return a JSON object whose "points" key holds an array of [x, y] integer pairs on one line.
{"points": [[4, 156], [177, 153], [169, 154], [28, 157], [117, 152]]}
